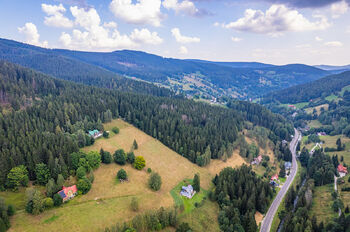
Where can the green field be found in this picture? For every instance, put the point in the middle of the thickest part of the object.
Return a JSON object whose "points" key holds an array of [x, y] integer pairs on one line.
{"points": [[297, 105], [332, 98], [322, 203]]}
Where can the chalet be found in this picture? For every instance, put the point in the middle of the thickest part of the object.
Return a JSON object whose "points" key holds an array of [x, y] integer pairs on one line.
{"points": [[257, 160], [68, 193], [187, 191], [95, 134], [287, 165], [342, 170], [274, 177]]}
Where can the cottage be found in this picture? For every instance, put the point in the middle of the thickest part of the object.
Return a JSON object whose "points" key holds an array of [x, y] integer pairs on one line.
{"points": [[274, 177], [187, 191], [287, 165], [68, 193], [321, 133], [95, 134], [342, 170], [257, 160]]}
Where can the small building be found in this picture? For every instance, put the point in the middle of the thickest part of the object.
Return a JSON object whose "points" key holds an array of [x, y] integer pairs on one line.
{"points": [[321, 133], [68, 193], [287, 165], [342, 170], [274, 177], [95, 134], [187, 191], [257, 160]]}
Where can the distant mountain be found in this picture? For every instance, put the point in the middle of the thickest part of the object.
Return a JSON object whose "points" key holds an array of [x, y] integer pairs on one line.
{"points": [[305, 92], [332, 67], [193, 77]]}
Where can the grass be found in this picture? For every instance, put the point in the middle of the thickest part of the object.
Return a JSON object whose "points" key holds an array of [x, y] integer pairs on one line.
{"points": [[332, 98], [314, 124], [346, 88], [322, 203], [345, 196], [317, 108], [297, 105], [17, 199], [108, 203], [189, 204]]}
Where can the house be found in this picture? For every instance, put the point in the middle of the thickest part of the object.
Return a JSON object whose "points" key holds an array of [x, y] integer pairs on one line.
{"points": [[292, 106], [187, 191], [68, 193], [321, 133], [257, 160], [274, 177], [95, 134], [342, 170], [287, 165]]}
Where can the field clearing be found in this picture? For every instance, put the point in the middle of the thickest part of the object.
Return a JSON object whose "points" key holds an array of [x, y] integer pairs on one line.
{"points": [[332, 98], [345, 196], [322, 203], [346, 88], [314, 124], [317, 108], [109, 202], [17, 199]]}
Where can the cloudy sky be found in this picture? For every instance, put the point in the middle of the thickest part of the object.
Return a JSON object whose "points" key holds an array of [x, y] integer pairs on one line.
{"points": [[270, 31]]}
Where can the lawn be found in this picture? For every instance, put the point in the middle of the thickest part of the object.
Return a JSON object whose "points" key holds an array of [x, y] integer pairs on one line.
{"points": [[317, 108], [297, 105], [17, 199], [314, 124], [345, 196], [322, 203], [107, 202], [332, 98]]}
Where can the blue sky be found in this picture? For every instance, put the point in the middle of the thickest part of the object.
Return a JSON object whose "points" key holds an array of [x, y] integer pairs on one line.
{"points": [[270, 31]]}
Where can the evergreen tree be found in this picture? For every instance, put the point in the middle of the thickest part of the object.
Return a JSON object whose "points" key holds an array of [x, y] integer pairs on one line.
{"points": [[196, 183]]}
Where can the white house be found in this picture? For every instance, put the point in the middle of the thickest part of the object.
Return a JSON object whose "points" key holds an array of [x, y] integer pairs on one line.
{"points": [[187, 191]]}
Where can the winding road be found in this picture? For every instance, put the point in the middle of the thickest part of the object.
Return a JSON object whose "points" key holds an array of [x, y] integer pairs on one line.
{"points": [[267, 221]]}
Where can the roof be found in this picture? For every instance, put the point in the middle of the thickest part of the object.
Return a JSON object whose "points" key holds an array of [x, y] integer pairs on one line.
{"points": [[341, 168], [93, 132], [68, 191], [288, 164], [274, 177]]}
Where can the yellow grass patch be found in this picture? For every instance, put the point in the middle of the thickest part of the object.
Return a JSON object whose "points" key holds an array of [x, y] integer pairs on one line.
{"points": [[258, 217], [317, 108], [217, 165]]}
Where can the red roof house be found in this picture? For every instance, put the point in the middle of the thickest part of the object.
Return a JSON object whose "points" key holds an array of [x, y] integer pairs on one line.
{"points": [[274, 177], [68, 193], [342, 170]]}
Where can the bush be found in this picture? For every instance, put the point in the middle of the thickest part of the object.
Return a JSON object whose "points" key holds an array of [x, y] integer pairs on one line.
{"points": [[106, 157], [196, 183], [18, 176], [105, 134], [42, 173], [119, 157], [81, 172], [135, 145], [155, 181], [48, 203], [35, 201], [140, 162], [84, 185], [94, 159], [134, 204], [130, 158], [121, 175], [10, 210], [115, 130], [184, 227], [149, 170], [57, 200], [91, 177], [349, 179]]}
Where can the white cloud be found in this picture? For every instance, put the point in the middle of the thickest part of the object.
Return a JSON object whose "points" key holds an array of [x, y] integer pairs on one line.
{"points": [[142, 12], [186, 7], [339, 8], [55, 16], [277, 19], [95, 35], [32, 36], [303, 46], [333, 44], [145, 36], [236, 39], [183, 50], [318, 39], [183, 39]]}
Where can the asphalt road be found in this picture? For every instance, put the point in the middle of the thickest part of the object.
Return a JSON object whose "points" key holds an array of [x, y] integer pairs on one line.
{"points": [[267, 221]]}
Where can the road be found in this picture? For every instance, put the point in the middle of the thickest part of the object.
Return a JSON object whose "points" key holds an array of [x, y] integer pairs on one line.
{"points": [[267, 221]]}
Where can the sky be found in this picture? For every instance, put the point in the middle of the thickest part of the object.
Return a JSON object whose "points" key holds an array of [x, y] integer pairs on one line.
{"points": [[269, 31]]}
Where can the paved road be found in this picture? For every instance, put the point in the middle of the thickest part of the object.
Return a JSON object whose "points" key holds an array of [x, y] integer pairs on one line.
{"points": [[267, 222]]}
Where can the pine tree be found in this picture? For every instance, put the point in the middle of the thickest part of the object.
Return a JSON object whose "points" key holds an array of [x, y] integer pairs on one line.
{"points": [[196, 183]]}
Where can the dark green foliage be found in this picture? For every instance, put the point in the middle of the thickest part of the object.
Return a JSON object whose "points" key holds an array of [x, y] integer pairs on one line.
{"points": [[120, 157], [240, 193], [135, 145], [121, 175], [57, 200], [184, 227], [51, 188], [106, 157], [347, 209], [94, 159], [115, 130], [321, 168], [155, 181], [282, 172], [196, 183], [304, 157], [105, 134], [42, 173], [11, 210], [34, 201], [84, 185], [81, 172], [6, 211], [149, 170], [130, 157]]}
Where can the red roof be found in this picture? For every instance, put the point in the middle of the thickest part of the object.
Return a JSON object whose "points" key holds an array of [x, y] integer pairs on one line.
{"points": [[260, 158], [274, 177], [341, 168], [68, 192]]}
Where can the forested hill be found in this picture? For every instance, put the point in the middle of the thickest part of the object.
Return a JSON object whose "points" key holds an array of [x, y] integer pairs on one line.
{"points": [[44, 119], [50, 62], [308, 91], [238, 79]]}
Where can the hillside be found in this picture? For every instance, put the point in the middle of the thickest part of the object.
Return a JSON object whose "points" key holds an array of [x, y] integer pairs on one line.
{"points": [[202, 78]]}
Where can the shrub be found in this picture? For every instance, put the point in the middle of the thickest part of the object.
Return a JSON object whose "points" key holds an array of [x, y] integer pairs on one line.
{"points": [[81, 172], [105, 134], [184, 227], [135, 145], [84, 185], [18, 176], [35, 201], [140, 162], [42, 174], [57, 200], [121, 175], [155, 181], [94, 159], [130, 158], [115, 130], [50, 188], [10, 210], [48, 203], [134, 204], [149, 170], [91, 177], [106, 157], [196, 183], [119, 157]]}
